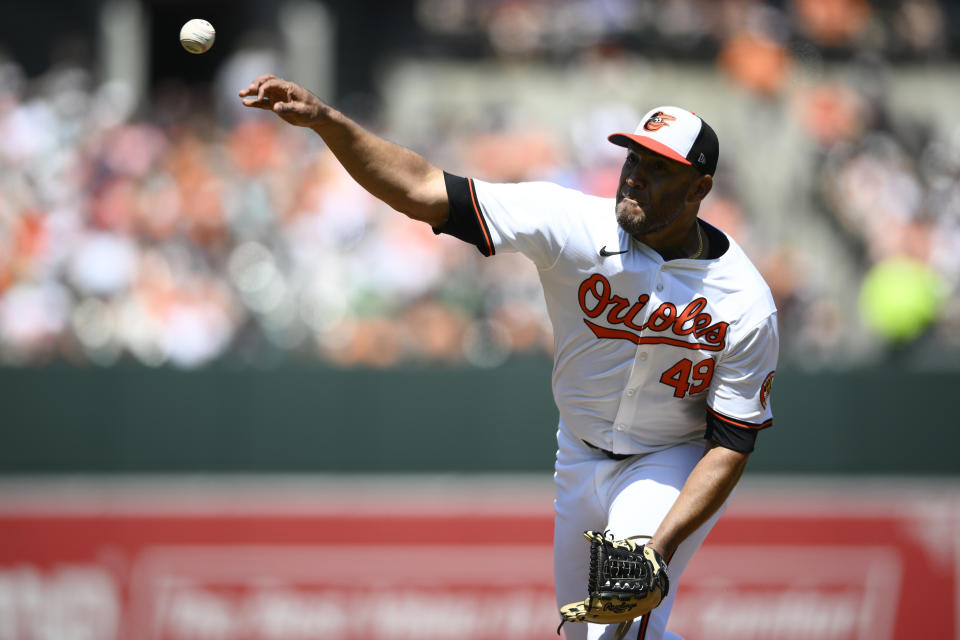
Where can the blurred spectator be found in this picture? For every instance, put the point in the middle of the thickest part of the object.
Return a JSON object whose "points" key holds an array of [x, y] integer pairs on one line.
{"points": [[756, 62], [833, 23], [920, 27]]}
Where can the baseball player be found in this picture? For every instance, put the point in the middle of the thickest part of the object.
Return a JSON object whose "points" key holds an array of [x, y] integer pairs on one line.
{"points": [[665, 334]]}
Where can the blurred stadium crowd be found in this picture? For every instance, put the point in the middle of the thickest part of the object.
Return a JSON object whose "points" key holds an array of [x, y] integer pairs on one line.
{"points": [[175, 236]]}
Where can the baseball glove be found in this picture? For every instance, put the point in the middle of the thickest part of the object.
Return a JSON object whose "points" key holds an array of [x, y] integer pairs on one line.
{"points": [[627, 580]]}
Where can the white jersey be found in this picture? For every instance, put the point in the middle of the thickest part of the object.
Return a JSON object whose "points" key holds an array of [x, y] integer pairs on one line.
{"points": [[644, 348]]}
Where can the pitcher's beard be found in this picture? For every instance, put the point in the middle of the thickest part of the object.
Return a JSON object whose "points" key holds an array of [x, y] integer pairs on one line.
{"points": [[629, 221], [641, 225]]}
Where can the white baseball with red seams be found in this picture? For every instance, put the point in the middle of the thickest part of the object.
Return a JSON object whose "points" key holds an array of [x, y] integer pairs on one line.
{"points": [[197, 35], [644, 348]]}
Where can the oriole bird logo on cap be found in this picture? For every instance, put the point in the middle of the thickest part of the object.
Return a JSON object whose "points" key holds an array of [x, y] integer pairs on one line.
{"points": [[657, 121]]}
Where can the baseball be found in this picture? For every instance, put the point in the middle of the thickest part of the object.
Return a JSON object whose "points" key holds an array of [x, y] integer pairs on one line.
{"points": [[197, 36]]}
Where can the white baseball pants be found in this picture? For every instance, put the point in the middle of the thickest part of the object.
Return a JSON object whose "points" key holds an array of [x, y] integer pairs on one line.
{"points": [[629, 497]]}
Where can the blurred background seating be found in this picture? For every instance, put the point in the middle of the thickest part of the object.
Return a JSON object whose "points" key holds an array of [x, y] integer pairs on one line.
{"points": [[145, 217]]}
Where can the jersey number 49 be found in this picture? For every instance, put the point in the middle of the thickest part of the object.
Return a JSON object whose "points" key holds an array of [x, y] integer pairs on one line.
{"points": [[686, 377]]}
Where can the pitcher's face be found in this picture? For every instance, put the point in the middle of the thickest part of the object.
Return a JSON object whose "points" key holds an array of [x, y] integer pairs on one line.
{"points": [[652, 193]]}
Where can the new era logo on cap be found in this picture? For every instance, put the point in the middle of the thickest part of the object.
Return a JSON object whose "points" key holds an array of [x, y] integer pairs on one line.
{"points": [[677, 134]]}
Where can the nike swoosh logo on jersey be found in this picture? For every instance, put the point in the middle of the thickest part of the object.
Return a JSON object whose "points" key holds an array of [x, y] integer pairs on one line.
{"points": [[606, 254]]}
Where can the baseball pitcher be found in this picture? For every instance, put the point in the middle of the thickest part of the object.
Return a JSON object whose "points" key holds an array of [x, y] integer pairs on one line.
{"points": [[665, 344]]}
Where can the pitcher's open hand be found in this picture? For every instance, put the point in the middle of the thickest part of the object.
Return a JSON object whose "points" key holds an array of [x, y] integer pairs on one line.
{"points": [[288, 100]]}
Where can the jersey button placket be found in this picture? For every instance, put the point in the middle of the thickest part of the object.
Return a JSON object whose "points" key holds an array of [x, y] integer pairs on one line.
{"points": [[628, 407]]}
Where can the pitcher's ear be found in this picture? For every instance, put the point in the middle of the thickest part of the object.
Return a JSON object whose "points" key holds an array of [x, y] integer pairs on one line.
{"points": [[700, 188]]}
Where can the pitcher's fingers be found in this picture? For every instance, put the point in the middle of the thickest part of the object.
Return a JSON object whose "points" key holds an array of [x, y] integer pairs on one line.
{"points": [[255, 85], [271, 83], [257, 102], [260, 101]]}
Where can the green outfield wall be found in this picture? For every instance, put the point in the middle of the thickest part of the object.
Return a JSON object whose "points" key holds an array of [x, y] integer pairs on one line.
{"points": [[315, 419]]}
